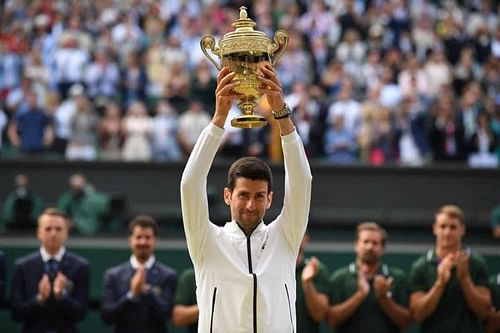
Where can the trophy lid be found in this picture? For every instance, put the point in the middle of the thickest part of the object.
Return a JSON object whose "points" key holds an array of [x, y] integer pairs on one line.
{"points": [[245, 39]]}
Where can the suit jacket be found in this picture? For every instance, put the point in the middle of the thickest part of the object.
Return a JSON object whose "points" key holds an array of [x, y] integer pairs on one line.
{"points": [[149, 312], [2, 277], [55, 315]]}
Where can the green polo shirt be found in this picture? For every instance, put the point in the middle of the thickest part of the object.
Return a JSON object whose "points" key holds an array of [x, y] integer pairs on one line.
{"points": [[452, 313], [369, 317], [305, 323], [495, 290], [185, 294]]}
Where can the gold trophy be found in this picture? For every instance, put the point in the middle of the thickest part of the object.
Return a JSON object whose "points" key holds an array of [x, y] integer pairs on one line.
{"points": [[245, 51]]}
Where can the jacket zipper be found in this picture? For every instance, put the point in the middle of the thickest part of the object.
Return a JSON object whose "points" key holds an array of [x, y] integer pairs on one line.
{"points": [[250, 270], [289, 308], [213, 310]]}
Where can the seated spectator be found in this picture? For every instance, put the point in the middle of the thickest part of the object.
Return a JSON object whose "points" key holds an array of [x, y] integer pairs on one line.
{"points": [[32, 130], [191, 123], [21, 207], [483, 144], [85, 206]]}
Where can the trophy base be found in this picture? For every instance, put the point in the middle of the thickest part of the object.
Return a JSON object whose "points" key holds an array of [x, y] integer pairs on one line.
{"points": [[248, 121]]}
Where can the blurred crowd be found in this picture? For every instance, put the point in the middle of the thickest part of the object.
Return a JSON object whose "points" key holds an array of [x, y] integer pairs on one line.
{"points": [[369, 81]]}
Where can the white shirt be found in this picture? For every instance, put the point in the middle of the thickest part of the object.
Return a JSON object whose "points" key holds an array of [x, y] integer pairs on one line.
{"points": [[58, 256], [147, 265]]}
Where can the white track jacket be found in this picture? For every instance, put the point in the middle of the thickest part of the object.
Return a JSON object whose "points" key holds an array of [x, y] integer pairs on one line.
{"points": [[245, 284]]}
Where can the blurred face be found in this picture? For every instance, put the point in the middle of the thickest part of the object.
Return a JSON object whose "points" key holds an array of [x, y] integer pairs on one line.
{"points": [[248, 201], [142, 242], [449, 232], [52, 232], [369, 247]]}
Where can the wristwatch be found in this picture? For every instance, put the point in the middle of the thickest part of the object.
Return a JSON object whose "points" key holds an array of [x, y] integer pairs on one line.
{"points": [[283, 113]]}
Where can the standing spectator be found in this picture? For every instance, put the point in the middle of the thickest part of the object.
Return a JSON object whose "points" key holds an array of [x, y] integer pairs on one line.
{"points": [[340, 143], [50, 287], [110, 133], [31, 131], [446, 132], [138, 295], [70, 60], [63, 115], [185, 312], [492, 323], [483, 144], [369, 295], [191, 123], [101, 77], [134, 80], [83, 138], [449, 284], [22, 207], [312, 291], [165, 131], [137, 128]]}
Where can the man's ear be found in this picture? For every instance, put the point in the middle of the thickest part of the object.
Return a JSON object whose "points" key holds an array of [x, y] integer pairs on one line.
{"points": [[269, 199], [227, 196]]}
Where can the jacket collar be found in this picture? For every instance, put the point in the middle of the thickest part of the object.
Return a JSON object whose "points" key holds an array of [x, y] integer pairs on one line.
{"points": [[46, 256], [236, 231], [383, 270]]}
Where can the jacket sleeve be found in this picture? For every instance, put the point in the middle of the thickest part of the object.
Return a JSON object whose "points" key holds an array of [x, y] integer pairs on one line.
{"points": [[73, 305], [296, 202], [113, 306], [161, 304], [194, 202], [23, 307]]}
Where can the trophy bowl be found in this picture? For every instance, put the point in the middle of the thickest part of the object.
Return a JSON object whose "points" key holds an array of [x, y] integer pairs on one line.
{"points": [[244, 51]]}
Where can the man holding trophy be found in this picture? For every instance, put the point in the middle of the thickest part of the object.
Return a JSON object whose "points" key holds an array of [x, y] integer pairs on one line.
{"points": [[245, 270]]}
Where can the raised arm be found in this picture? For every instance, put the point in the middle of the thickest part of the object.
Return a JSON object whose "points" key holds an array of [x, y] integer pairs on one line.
{"points": [[296, 203], [194, 202]]}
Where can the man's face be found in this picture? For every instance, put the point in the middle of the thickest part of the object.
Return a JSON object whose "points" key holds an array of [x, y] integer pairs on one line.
{"points": [[369, 247], [248, 201], [52, 232], [448, 231], [142, 242]]}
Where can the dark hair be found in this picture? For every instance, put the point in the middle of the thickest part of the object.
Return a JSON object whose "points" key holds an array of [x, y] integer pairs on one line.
{"points": [[143, 221], [251, 168], [51, 211], [372, 226]]}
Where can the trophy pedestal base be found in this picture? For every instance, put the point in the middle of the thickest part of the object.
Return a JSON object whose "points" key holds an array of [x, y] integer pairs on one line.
{"points": [[248, 121]]}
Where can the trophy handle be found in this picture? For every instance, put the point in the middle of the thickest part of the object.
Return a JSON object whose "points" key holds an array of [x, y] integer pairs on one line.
{"points": [[208, 42], [279, 45]]}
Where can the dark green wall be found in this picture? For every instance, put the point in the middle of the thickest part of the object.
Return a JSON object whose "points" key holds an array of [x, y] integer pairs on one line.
{"points": [[101, 259]]}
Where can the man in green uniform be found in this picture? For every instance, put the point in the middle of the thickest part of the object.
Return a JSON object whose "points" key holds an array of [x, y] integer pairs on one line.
{"points": [[368, 295], [449, 285], [492, 324], [312, 291], [185, 312]]}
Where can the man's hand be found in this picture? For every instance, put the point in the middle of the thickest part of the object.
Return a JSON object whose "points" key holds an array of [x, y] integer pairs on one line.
{"points": [[462, 263], [444, 268], [138, 281], [311, 270], [270, 86], [44, 288], [224, 95], [59, 284], [363, 285], [382, 286]]}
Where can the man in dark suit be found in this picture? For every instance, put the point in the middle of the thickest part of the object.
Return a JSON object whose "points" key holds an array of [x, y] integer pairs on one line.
{"points": [[50, 287], [2, 278], [138, 295]]}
